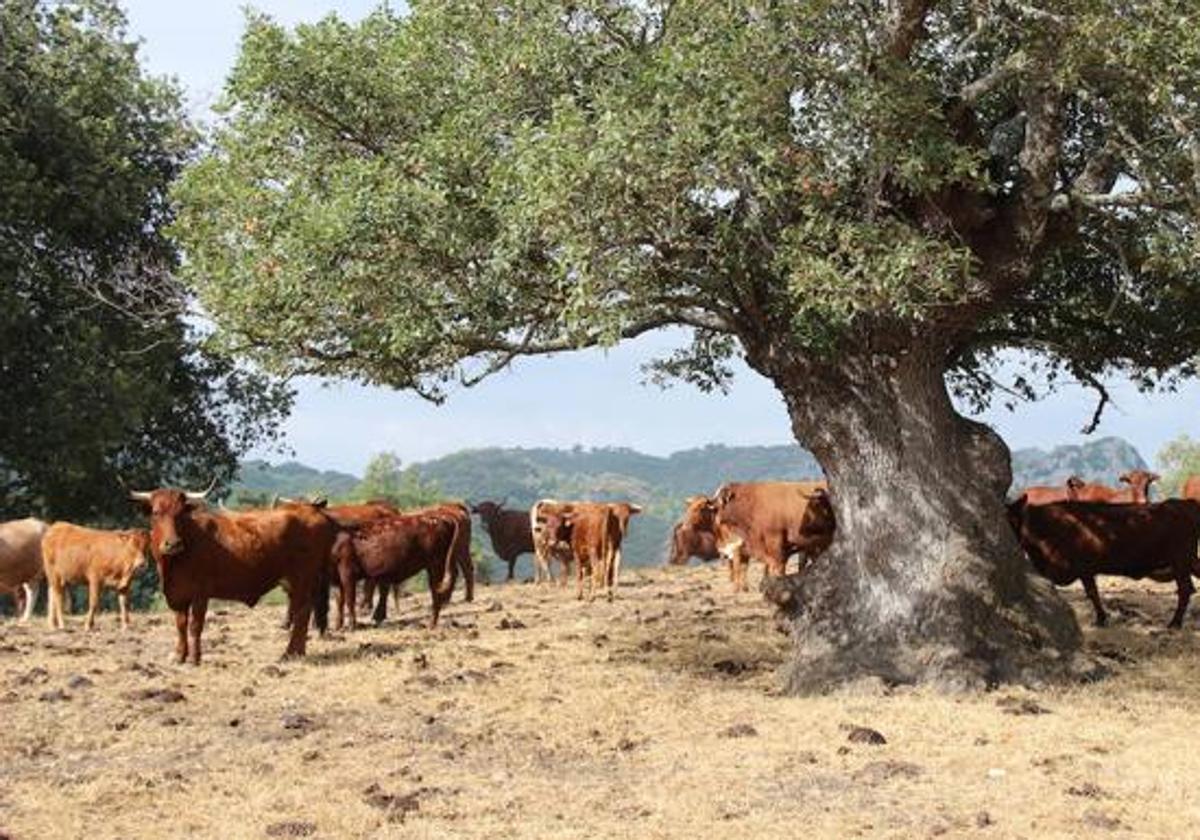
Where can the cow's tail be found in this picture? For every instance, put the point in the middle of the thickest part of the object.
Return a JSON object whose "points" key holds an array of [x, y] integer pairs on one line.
{"points": [[456, 545]]}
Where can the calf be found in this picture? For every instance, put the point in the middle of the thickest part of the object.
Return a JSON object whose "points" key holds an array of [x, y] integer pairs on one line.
{"points": [[21, 561], [693, 534], [1068, 541], [1138, 491], [73, 554], [394, 549]]}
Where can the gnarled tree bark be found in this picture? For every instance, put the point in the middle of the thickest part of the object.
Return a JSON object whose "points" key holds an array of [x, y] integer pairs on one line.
{"points": [[925, 582]]}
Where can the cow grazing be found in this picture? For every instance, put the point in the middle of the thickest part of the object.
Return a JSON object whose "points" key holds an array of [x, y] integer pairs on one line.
{"points": [[509, 530], [546, 549], [74, 554], [394, 549], [21, 561], [1138, 491], [772, 521], [693, 534], [238, 557], [1068, 541]]}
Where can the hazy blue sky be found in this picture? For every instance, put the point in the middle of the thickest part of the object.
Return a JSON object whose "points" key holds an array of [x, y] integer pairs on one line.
{"points": [[593, 398]]}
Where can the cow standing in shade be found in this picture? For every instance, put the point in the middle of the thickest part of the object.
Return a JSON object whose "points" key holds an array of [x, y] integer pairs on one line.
{"points": [[21, 561], [238, 557], [1069, 541], [509, 530], [74, 554]]}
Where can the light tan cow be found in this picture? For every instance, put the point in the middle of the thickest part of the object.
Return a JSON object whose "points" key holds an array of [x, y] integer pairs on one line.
{"points": [[74, 554], [21, 560]]}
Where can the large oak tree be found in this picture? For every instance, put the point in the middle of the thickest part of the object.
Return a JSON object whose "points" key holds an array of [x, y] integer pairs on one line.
{"points": [[868, 200]]}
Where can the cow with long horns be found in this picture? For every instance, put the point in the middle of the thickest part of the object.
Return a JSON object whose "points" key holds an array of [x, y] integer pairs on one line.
{"points": [[238, 557]]}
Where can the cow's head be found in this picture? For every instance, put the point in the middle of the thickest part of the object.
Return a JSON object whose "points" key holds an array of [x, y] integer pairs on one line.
{"points": [[488, 510], [699, 514], [1139, 481], [556, 529], [623, 512], [166, 507]]}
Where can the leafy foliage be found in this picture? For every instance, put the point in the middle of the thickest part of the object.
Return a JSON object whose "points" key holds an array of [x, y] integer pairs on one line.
{"points": [[102, 373], [1178, 460]]}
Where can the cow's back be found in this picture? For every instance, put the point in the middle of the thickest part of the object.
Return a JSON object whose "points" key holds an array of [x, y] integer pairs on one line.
{"points": [[21, 550], [72, 553]]}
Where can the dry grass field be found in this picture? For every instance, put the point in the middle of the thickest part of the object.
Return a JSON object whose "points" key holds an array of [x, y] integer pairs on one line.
{"points": [[531, 715]]}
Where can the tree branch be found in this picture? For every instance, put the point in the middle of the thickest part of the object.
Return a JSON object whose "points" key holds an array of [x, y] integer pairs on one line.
{"points": [[905, 27], [972, 92]]}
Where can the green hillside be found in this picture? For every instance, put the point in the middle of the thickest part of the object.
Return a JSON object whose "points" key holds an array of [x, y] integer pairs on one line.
{"points": [[659, 484]]}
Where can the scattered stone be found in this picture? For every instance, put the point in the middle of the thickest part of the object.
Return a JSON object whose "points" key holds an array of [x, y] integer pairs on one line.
{"points": [[58, 695], [235, 722], [864, 735], [507, 623], [1099, 819], [248, 691], [291, 828], [730, 667], [1090, 790], [880, 771], [494, 606], [996, 773], [808, 757], [626, 744], [738, 730], [274, 671], [1021, 706], [296, 722], [420, 661], [652, 646], [983, 819], [79, 681], [398, 807], [33, 675], [162, 695]]}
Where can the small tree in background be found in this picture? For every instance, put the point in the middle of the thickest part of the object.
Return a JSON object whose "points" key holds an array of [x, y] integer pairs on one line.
{"points": [[1177, 461]]}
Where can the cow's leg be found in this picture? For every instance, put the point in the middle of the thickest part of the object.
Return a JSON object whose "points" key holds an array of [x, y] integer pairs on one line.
{"points": [[181, 640], [379, 614], [613, 575], [578, 578], [196, 626], [1089, 586], [368, 595], [512, 567], [467, 568], [301, 607], [93, 603], [123, 606], [30, 595], [54, 615], [339, 602], [346, 576], [1184, 593], [439, 600]]}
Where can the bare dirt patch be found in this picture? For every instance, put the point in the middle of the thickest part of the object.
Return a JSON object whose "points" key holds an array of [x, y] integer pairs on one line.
{"points": [[657, 715]]}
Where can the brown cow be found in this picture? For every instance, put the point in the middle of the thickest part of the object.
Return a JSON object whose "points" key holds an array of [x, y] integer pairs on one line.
{"points": [[1078, 540], [693, 534], [21, 561], [1138, 491], [238, 557], [1191, 487], [1038, 495], [394, 549], [74, 554], [771, 520], [546, 550], [595, 538], [510, 531], [347, 517]]}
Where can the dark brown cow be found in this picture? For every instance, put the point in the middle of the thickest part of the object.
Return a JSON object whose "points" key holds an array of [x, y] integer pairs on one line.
{"points": [[394, 549], [1138, 491], [238, 557], [510, 531], [348, 517], [73, 554], [693, 534], [771, 520], [1070, 541]]}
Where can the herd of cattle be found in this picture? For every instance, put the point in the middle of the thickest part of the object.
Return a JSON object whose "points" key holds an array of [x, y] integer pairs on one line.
{"points": [[1073, 532]]}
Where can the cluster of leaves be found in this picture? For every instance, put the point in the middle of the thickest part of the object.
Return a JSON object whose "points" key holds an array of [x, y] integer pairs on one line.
{"points": [[102, 371], [1178, 461]]}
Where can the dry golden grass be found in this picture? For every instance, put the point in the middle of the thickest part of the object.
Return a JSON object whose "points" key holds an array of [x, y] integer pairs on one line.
{"points": [[654, 716]]}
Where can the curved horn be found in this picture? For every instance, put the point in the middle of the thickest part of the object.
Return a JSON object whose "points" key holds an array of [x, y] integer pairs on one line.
{"points": [[199, 497], [140, 495]]}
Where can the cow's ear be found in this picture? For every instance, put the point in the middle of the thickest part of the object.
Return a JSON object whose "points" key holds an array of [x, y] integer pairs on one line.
{"points": [[635, 509], [1124, 479]]}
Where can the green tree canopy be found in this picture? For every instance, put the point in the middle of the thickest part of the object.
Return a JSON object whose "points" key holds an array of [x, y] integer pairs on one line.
{"points": [[1178, 460], [866, 199], [101, 372]]}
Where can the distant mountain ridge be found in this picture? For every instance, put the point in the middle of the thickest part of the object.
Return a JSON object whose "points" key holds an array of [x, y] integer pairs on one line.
{"points": [[658, 483]]}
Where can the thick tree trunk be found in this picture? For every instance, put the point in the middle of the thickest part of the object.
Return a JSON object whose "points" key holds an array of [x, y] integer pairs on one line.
{"points": [[925, 582]]}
